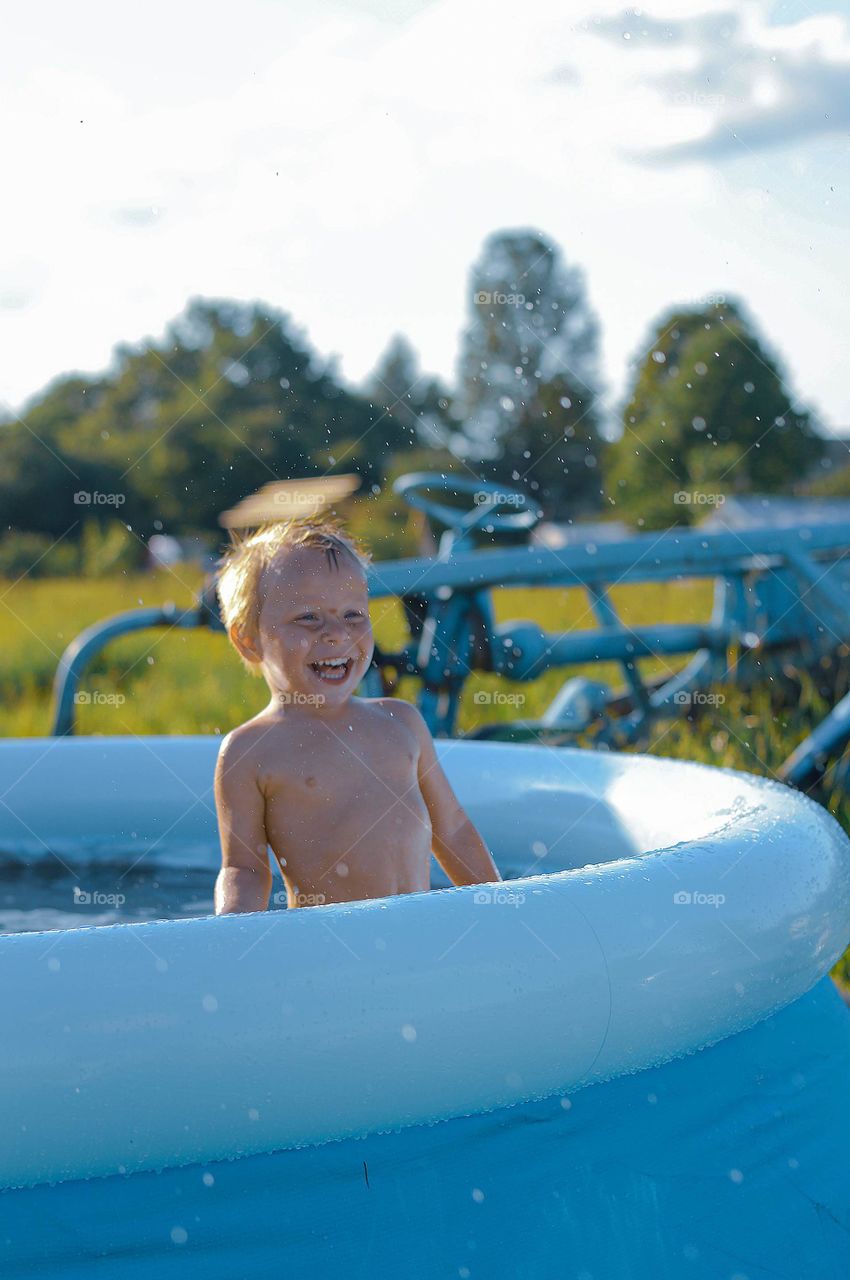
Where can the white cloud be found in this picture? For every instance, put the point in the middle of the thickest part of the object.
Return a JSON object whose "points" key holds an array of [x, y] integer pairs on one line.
{"points": [[346, 167], [746, 83]]}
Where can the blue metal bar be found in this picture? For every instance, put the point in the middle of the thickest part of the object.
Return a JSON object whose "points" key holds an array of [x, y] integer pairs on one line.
{"points": [[576, 705], [646, 557], [607, 615], [729, 615], [89, 643], [818, 580], [807, 764], [444, 651], [612, 645]]}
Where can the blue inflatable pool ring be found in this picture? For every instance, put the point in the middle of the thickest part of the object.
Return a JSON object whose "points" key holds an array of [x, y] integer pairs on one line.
{"points": [[624, 1062]]}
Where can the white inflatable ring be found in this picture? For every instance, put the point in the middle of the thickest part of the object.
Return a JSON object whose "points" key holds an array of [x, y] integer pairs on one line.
{"points": [[659, 907]]}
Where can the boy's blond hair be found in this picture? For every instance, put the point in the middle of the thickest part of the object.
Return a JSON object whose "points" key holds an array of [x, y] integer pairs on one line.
{"points": [[240, 569]]}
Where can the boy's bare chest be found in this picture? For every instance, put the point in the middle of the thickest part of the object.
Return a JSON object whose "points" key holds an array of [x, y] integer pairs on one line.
{"points": [[336, 771], [351, 810]]}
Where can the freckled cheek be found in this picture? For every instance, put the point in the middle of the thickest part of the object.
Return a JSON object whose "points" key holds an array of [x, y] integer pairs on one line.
{"points": [[288, 645], [366, 643]]}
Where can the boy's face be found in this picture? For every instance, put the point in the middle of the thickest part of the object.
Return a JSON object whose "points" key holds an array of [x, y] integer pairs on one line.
{"points": [[315, 612]]}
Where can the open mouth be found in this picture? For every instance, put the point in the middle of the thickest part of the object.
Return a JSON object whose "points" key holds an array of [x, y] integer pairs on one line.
{"points": [[334, 670]]}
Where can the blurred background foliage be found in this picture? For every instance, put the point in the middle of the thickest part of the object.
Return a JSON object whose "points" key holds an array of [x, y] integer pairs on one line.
{"points": [[232, 396]]}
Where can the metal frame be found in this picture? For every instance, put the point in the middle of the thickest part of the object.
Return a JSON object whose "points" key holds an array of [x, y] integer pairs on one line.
{"points": [[765, 578]]}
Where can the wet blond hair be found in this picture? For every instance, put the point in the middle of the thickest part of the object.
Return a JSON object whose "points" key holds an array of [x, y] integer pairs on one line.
{"points": [[240, 570]]}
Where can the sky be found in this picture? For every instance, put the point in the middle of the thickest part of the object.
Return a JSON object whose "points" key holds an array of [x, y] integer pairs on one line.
{"points": [[344, 162]]}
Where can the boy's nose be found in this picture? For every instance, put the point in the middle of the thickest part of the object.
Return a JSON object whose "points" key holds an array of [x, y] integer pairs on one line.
{"points": [[333, 625]]}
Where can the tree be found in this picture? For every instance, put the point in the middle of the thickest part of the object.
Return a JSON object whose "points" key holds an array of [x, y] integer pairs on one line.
{"points": [[43, 484], [418, 403], [528, 377], [182, 428], [708, 414]]}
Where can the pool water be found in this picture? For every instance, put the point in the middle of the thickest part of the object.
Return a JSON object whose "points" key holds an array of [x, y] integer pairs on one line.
{"points": [[52, 896], [55, 895]]}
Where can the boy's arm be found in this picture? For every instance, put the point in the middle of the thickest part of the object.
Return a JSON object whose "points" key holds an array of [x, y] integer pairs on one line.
{"points": [[244, 882], [457, 845]]}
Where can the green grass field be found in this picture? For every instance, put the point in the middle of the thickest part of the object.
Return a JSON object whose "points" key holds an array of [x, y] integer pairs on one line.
{"points": [[177, 681]]}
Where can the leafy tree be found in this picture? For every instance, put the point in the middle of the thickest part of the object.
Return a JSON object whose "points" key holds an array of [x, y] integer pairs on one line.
{"points": [[708, 414], [419, 404], [40, 479], [528, 372], [182, 428]]}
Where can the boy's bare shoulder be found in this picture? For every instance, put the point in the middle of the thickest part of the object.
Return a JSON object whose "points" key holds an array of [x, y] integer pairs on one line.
{"points": [[240, 749], [401, 712]]}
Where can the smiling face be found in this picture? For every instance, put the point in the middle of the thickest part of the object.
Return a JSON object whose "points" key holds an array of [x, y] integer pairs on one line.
{"points": [[315, 636]]}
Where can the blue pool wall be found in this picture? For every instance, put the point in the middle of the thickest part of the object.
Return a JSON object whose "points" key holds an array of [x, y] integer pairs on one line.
{"points": [[730, 1162]]}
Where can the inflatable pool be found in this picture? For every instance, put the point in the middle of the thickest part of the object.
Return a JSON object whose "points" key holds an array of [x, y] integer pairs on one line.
{"points": [[626, 1061]]}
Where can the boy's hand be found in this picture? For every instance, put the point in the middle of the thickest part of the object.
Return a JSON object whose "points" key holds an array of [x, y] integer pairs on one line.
{"points": [[457, 845], [245, 880]]}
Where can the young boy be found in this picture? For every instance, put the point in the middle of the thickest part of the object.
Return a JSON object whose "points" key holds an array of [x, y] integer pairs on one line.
{"points": [[347, 791]]}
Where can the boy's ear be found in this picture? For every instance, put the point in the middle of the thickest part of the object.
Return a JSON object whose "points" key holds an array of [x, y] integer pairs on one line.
{"points": [[245, 644]]}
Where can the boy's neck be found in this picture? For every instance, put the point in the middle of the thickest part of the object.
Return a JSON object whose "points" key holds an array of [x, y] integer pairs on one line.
{"points": [[292, 704]]}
